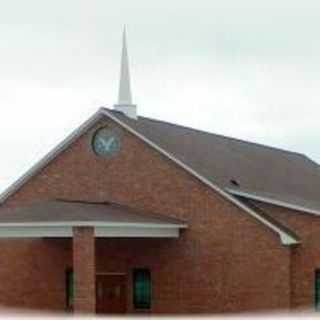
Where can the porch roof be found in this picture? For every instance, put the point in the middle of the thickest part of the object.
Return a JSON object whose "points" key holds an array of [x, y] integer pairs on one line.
{"points": [[57, 217]]}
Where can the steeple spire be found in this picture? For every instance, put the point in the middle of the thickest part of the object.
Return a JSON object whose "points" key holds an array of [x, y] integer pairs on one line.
{"points": [[124, 89], [124, 104]]}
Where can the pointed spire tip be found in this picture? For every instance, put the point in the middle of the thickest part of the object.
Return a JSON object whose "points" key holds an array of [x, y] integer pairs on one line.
{"points": [[124, 99]]}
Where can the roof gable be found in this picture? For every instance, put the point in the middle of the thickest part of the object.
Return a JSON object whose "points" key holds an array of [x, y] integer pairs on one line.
{"points": [[285, 237]]}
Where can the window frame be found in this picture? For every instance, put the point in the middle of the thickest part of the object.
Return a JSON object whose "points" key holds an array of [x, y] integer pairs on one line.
{"points": [[134, 277]]}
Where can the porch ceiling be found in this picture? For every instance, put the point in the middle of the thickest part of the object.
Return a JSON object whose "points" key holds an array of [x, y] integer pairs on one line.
{"points": [[57, 218]]}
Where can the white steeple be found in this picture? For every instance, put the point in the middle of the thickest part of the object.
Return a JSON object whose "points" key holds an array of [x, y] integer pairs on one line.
{"points": [[124, 104]]}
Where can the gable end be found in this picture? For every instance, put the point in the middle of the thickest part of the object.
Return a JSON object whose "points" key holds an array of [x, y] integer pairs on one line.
{"points": [[286, 238]]}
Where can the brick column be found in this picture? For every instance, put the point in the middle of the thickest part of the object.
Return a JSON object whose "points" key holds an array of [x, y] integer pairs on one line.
{"points": [[84, 269]]}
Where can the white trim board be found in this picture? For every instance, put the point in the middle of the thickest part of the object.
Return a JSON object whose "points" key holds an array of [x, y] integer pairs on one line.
{"points": [[98, 224], [48, 231], [286, 238]]}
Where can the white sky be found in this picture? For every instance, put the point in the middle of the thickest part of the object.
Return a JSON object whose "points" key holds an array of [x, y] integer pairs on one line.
{"points": [[248, 69]]}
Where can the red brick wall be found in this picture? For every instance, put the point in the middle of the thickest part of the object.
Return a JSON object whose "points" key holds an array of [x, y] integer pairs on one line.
{"points": [[305, 257], [84, 268], [225, 261], [32, 273]]}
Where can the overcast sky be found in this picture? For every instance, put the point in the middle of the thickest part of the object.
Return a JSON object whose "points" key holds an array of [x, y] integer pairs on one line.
{"points": [[247, 69]]}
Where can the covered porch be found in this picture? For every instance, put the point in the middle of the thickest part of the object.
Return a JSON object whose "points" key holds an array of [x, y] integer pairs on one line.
{"points": [[89, 289]]}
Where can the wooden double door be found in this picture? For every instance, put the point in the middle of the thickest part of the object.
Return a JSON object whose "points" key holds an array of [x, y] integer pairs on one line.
{"points": [[111, 293]]}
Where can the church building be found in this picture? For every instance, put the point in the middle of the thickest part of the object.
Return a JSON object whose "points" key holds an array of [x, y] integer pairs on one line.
{"points": [[134, 215]]}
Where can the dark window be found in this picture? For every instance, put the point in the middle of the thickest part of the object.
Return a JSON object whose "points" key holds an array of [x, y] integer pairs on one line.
{"points": [[69, 289], [141, 288], [317, 290]]}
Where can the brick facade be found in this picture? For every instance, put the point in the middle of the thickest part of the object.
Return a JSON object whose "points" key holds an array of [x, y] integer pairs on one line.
{"points": [[305, 257], [84, 268], [225, 262]]}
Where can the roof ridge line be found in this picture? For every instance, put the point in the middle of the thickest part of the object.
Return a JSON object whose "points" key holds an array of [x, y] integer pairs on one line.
{"points": [[215, 134], [124, 206]]}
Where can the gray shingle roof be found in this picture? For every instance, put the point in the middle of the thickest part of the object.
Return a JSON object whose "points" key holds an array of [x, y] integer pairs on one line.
{"points": [[254, 168], [79, 211]]}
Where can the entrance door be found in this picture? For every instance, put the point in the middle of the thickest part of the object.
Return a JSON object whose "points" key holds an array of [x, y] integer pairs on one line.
{"points": [[111, 293]]}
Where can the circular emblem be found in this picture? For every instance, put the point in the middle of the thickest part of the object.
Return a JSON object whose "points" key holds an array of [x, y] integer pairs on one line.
{"points": [[106, 142]]}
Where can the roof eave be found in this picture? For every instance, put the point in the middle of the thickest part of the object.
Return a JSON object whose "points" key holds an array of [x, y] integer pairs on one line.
{"points": [[279, 203]]}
